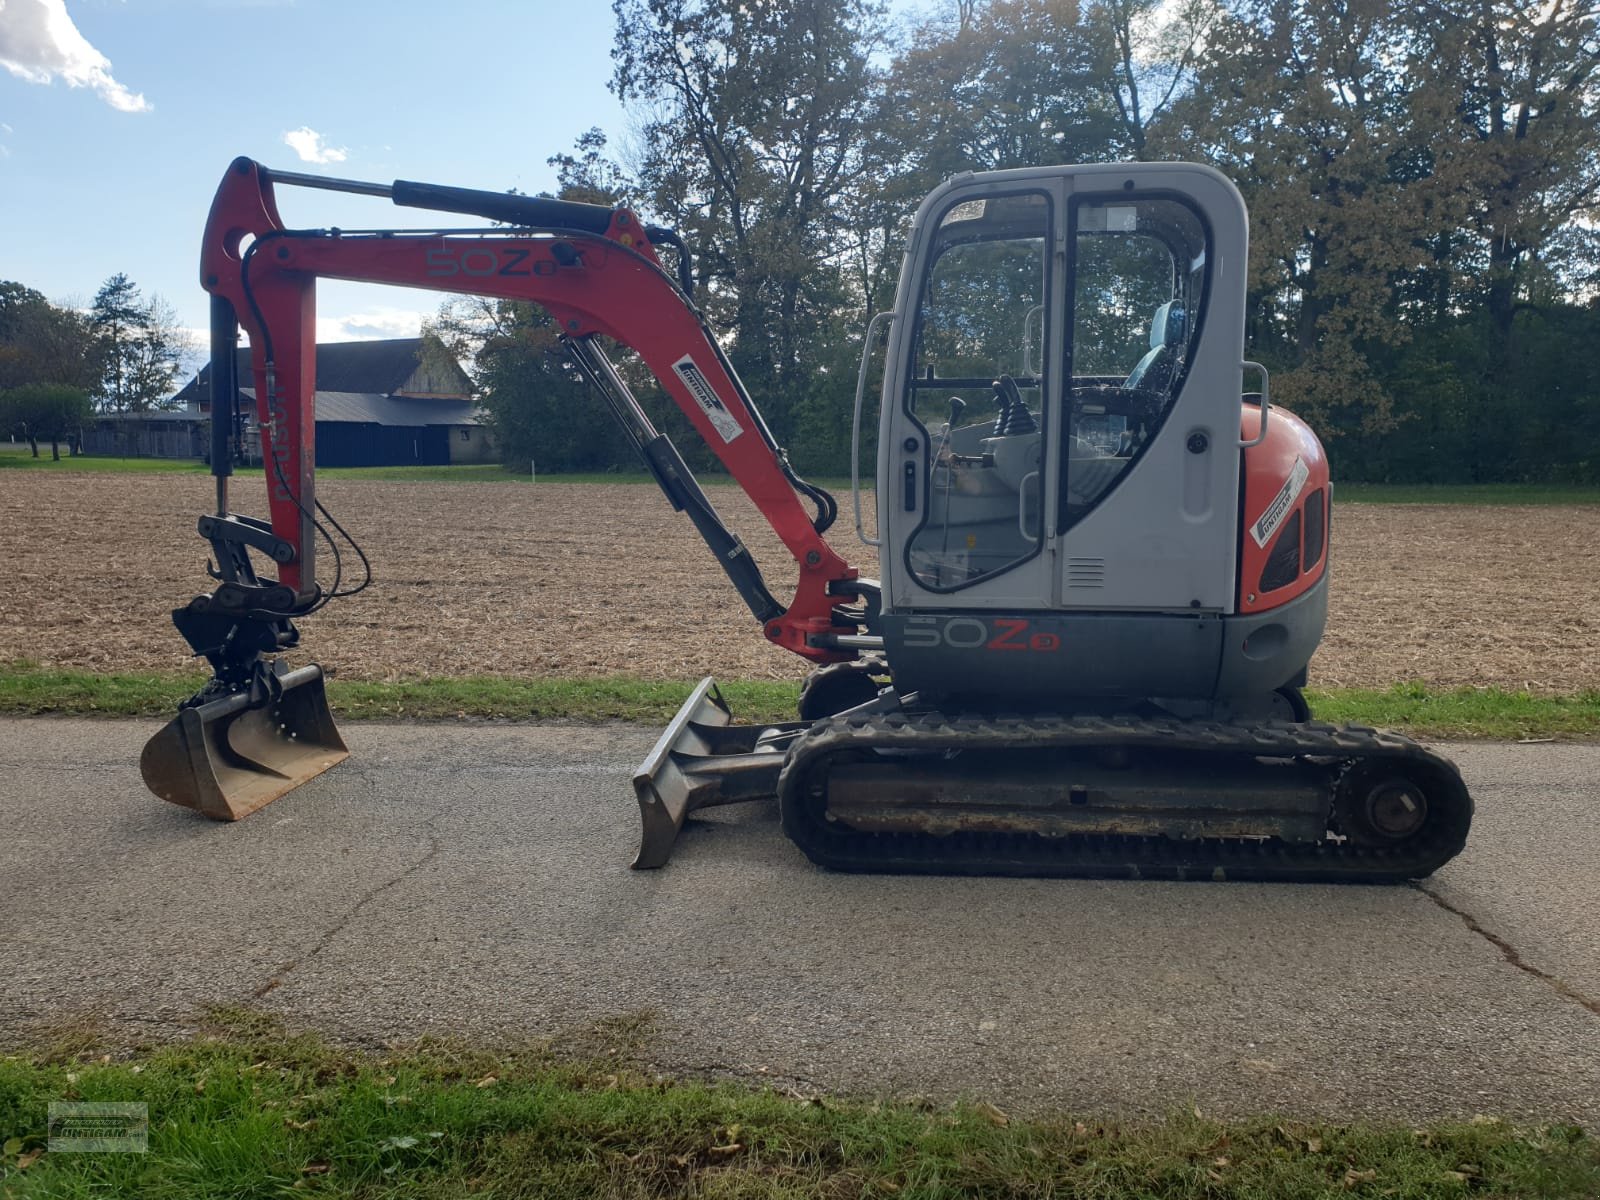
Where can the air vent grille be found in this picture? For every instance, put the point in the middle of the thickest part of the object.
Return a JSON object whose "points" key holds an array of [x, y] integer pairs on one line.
{"points": [[1086, 572]]}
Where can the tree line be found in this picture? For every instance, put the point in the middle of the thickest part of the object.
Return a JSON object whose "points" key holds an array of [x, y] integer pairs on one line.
{"points": [[60, 365], [1422, 180]]}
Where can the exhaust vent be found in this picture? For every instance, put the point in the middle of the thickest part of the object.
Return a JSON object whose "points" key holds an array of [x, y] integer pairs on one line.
{"points": [[1086, 572]]}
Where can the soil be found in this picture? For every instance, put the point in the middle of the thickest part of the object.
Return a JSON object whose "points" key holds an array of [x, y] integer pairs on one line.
{"points": [[605, 579]]}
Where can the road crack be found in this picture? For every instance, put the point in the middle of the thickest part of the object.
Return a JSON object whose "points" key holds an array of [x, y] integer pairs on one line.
{"points": [[1510, 953], [367, 897]]}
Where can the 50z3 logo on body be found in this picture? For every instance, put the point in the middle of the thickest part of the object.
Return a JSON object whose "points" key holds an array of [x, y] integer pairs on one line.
{"points": [[480, 261], [974, 633]]}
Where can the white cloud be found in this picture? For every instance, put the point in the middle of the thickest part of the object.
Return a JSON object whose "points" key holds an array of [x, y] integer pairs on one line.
{"points": [[38, 42], [308, 144], [370, 325]]}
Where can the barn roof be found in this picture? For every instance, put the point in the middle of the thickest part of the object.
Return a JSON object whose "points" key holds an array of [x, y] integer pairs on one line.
{"points": [[370, 408], [378, 368]]}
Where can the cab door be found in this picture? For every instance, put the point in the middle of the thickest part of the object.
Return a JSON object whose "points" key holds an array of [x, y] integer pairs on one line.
{"points": [[1146, 511], [968, 432]]}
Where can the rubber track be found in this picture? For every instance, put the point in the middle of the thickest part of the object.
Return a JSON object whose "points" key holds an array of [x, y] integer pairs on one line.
{"points": [[833, 845]]}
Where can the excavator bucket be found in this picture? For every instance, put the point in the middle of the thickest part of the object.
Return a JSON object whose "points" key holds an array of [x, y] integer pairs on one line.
{"points": [[225, 758]]}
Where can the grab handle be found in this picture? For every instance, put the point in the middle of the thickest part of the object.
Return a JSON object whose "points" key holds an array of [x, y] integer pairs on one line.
{"points": [[1266, 404], [855, 425]]}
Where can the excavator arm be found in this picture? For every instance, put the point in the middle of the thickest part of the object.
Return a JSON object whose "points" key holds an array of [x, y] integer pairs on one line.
{"points": [[596, 272]]}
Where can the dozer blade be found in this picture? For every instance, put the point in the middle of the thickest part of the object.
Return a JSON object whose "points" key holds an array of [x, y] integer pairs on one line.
{"points": [[701, 760], [226, 759]]}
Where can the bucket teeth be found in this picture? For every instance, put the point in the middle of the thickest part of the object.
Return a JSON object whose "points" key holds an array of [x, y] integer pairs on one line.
{"points": [[225, 758]]}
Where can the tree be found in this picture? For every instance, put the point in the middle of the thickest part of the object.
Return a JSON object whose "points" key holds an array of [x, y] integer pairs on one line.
{"points": [[1005, 83], [1312, 108], [1154, 48], [758, 115], [42, 343], [141, 347], [1523, 80], [535, 403], [49, 411]]}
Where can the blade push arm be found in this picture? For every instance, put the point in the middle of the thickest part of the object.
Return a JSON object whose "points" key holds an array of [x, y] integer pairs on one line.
{"points": [[593, 269]]}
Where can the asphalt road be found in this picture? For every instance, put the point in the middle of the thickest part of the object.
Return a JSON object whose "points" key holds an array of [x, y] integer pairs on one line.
{"points": [[474, 880]]}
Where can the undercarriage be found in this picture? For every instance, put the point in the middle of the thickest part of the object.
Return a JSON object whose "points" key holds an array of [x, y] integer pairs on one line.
{"points": [[891, 786]]}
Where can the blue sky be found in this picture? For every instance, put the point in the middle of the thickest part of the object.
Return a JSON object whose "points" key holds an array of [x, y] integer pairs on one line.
{"points": [[116, 172]]}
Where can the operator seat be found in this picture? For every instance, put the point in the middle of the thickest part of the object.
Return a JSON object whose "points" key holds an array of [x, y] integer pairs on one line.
{"points": [[1167, 332]]}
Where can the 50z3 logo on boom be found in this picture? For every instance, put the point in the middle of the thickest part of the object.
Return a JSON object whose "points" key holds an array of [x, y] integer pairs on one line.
{"points": [[481, 261], [974, 633]]}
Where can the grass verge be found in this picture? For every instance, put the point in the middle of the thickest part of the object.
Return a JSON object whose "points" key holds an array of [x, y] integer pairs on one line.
{"points": [[27, 689], [254, 1112], [17, 456]]}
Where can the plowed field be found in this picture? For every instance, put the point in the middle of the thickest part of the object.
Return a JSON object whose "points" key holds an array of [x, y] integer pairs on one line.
{"points": [[605, 579]]}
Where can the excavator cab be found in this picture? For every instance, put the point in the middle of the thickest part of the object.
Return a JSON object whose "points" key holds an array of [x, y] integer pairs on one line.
{"points": [[1059, 434]]}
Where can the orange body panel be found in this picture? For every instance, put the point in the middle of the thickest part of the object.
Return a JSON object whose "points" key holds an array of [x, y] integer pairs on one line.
{"points": [[1281, 477]]}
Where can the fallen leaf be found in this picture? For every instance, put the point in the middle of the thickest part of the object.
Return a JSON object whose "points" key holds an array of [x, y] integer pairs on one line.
{"points": [[486, 1081], [991, 1114], [293, 1124], [1220, 1162], [28, 1159], [1079, 1129], [12, 1146], [200, 1086], [1352, 1177], [1480, 1119], [716, 1153], [1213, 1176], [403, 1142], [316, 1168], [1314, 1145], [1457, 1176]]}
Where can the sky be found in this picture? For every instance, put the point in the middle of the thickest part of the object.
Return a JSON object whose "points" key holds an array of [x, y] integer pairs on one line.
{"points": [[118, 118]]}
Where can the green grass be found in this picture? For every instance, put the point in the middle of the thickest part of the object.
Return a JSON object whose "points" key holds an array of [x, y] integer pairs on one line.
{"points": [[253, 1112], [28, 689], [16, 456], [1491, 713]]}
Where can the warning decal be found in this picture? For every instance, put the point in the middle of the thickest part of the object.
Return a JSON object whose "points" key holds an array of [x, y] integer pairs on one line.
{"points": [[706, 397], [1264, 528]]}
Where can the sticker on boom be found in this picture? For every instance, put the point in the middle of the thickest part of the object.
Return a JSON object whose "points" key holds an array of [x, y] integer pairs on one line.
{"points": [[1263, 529], [726, 424]]}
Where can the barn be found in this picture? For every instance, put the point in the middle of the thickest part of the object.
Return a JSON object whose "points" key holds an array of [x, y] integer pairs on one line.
{"points": [[395, 402]]}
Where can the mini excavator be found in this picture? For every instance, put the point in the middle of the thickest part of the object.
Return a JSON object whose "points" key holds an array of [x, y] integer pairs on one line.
{"points": [[1102, 564]]}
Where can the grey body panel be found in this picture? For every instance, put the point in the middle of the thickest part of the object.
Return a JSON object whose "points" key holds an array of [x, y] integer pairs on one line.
{"points": [[1050, 659], [1265, 651]]}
